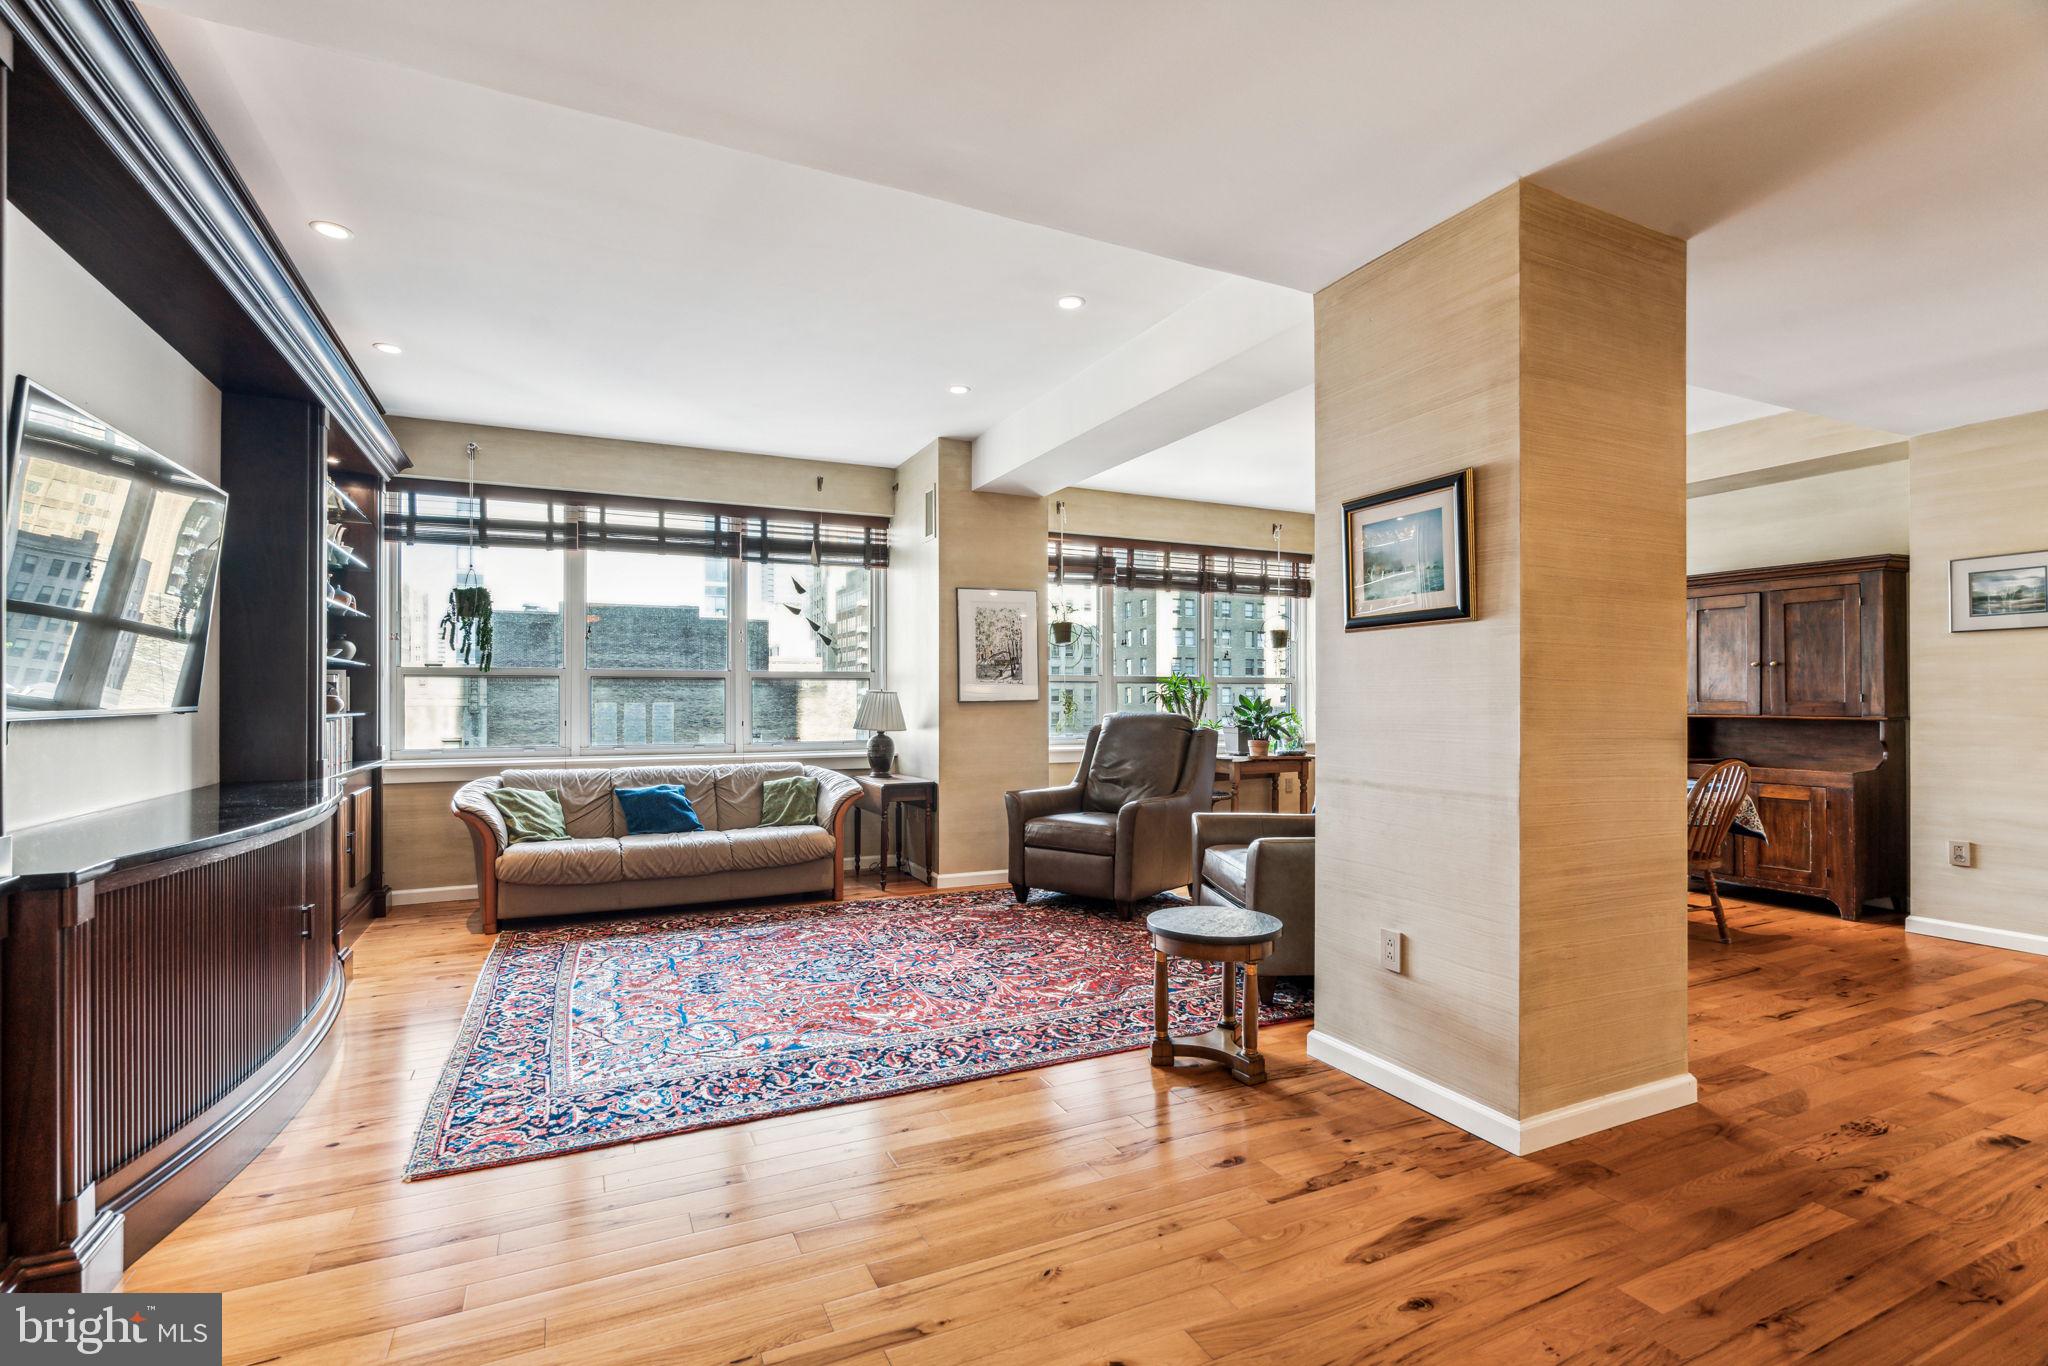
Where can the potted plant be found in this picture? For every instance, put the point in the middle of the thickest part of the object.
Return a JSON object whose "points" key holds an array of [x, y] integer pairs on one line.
{"points": [[1183, 695], [1279, 635], [1063, 623], [466, 625], [1259, 723]]}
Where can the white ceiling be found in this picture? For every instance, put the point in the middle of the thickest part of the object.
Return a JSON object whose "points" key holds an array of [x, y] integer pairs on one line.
{"points": [[1706, 409], [1859, 180], [552, 269], [1266, 457]]}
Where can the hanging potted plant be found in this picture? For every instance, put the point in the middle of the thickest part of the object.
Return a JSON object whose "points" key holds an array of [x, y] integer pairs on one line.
{"points": [[1279, 636], [466, 625], [1063, 623], [1259, 723]]}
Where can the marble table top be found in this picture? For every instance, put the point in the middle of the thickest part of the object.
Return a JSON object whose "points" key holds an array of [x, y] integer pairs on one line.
{"points": [[1214, 925]]}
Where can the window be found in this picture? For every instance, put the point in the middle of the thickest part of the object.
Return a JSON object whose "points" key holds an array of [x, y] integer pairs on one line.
{"points": [[674, 651], [1237, 661], [1073, 688], [810, 651], [445, 704]]}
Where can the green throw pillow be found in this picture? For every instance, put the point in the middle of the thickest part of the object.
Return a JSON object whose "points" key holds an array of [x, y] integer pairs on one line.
{"points": [[789, 801], [529, 815]]}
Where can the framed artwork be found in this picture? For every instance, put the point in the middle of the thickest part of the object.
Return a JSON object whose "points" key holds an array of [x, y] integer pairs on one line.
{"points": [[1998, 592], [1408, 554], [999, 635]]}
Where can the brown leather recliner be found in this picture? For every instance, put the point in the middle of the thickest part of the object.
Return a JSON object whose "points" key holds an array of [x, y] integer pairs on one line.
{"points": [[1123, 830]]}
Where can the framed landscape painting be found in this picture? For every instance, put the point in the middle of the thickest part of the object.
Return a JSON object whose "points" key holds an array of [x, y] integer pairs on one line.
{"points": [[999, 634], [1998, 592], [1408, 554]]}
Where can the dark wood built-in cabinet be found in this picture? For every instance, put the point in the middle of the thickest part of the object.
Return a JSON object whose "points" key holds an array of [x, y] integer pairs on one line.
{"points": [[1800, 671], [171, 969]]}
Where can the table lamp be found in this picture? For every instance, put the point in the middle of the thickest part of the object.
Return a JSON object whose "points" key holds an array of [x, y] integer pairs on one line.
{"points": [[881, 713]]}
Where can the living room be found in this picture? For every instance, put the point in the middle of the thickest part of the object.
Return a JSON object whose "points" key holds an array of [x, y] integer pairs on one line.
{"points": [[1245, 684]]}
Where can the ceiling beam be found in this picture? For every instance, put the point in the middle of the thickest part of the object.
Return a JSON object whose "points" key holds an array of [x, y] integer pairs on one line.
{"points": [[1231, 349]]}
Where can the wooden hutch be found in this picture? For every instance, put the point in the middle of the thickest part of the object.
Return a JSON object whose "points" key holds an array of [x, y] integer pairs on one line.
{"points": [[171, 969], [1800, 672]]}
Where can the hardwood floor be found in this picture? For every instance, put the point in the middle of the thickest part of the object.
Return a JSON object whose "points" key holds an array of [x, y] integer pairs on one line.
{"points": [[1865, 1180]]}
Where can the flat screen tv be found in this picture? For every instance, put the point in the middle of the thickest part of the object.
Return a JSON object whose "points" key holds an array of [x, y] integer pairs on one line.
{"points": [[111, 554]]}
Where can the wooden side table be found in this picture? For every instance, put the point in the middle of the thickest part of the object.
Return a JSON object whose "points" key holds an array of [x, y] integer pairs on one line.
{"points": [[1237, 939], [1271, 768], [886, 796]]}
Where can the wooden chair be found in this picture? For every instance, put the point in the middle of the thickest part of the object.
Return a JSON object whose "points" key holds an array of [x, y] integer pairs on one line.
{"points": [[1710, 811]]}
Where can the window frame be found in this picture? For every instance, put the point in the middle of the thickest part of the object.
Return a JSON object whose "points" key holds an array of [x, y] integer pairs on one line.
{"points": [[573, 729]]}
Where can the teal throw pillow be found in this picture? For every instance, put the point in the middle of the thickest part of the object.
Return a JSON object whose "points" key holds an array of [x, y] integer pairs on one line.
{"points": [[529, 815], [659, 810], [789, 801]]}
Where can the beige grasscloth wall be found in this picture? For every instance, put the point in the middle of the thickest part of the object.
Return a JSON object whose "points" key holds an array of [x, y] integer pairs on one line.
{"points": [[1979, 698], [979, 750], [1507, 791]]}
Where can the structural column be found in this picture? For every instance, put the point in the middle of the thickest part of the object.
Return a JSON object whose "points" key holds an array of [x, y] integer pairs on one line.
{"points": [[1507, 792]]}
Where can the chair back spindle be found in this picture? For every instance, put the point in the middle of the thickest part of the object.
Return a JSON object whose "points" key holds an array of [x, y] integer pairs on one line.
{"points": [[1711, 810]]}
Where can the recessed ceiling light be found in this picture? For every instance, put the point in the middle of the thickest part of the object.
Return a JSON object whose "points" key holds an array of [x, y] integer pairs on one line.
{"points": [[334, 460], [958, 389], [388, 348], [327, 227], [1070, 302]]}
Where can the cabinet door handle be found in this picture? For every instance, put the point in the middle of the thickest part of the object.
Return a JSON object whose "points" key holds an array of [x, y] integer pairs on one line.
{"points": [[1772, 664], [306, 919]]}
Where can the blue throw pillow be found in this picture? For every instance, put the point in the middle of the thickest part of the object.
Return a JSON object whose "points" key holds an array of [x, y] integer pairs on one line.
{"points": [[659, 810]]}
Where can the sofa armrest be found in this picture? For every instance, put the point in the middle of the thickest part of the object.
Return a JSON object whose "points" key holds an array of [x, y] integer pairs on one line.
{"points": [[1028, 804], [1280, 881], [1242, 827], [473, 806], [835, 790], [474, 799], [1152, 838]]}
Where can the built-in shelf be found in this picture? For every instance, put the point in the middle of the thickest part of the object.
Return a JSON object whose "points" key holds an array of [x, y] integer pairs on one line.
{"points": [[341, 557], [349, 511], [342, 609], [337, 662]]}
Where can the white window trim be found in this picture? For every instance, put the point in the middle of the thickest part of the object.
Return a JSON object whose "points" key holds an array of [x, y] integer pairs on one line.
{"points": [[575, 677], [1107, 683]]}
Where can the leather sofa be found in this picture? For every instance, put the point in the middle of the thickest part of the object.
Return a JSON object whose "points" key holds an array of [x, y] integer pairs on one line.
{"points": [[1264, 861], [601, 867], [1121, 831]]}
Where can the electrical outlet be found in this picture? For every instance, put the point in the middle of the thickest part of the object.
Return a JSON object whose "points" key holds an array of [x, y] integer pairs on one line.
{"points": [[1390, 950], [1962, 854]]}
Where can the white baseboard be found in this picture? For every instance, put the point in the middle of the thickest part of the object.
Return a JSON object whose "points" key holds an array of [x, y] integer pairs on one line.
{"points": [[947, 882], [420, 896], [2019, 940], [1518, 1136]]}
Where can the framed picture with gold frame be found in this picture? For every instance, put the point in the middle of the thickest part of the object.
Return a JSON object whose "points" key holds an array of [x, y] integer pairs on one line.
{"points": [[1408, 554]]}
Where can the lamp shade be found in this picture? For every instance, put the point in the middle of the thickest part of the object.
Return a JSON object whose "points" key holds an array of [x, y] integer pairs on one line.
{"points": [[879, 710]]}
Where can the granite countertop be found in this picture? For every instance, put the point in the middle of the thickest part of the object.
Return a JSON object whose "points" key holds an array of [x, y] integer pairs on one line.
{"points": [[67, 852]]}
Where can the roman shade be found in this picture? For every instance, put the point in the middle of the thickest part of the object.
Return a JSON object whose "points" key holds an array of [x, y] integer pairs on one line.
{"points": [[433, 512], [1163, 564]]}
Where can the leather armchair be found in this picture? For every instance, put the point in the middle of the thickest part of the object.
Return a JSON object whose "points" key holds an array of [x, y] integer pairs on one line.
{"points": [[1122, 831], [1266, 862]]}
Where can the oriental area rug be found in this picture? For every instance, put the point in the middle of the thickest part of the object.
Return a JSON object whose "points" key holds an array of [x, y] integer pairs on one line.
{"points": [[606, 1032]]}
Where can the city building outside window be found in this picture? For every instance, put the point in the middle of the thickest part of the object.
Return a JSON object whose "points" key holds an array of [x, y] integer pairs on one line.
{"points": [[1236, 663]]}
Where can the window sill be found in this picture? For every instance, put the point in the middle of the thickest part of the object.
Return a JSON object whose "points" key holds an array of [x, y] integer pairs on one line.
{"points": [[462, 768]]}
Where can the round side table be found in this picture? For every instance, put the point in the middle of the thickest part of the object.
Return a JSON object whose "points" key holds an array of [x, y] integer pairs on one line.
{"points": [[1237, 939]]}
